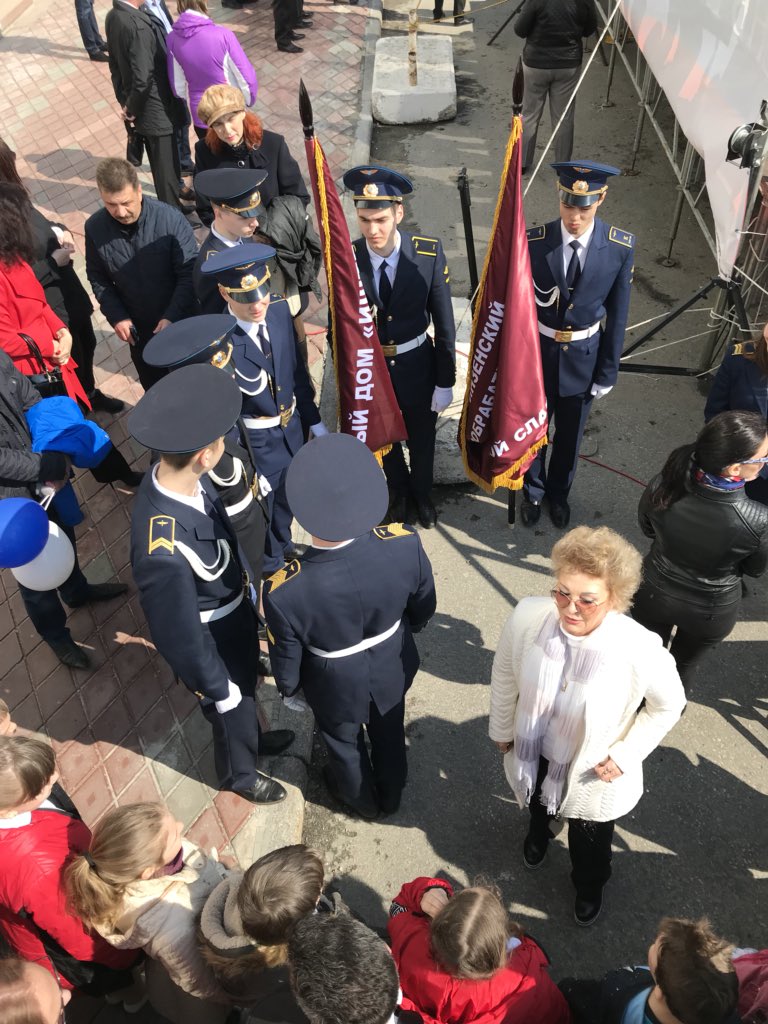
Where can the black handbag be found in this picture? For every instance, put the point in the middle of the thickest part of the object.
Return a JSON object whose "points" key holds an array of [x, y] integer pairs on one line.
{"points": [[47, 382]]}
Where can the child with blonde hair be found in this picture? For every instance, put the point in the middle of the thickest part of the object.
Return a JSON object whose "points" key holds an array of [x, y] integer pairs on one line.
{"points": [[142, 886], [461, 960], [7, 725]]}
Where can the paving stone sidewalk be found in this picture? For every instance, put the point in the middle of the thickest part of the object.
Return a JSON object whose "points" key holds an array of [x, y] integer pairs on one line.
{"points": [[125, 730]]}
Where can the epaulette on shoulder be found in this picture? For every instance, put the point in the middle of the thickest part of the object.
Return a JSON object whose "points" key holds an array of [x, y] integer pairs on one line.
{"points": [[393, 530], [621, 237], [536, 234], [162, 531], [425, 246], [288, 572]]}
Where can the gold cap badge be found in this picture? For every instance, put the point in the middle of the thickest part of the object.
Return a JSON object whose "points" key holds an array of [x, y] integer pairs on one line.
{"points": [[371, 189], [581, 187]]}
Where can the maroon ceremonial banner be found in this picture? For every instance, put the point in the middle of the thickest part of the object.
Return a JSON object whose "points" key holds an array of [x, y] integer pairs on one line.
{"points": [[367, 404], [504, 419]]}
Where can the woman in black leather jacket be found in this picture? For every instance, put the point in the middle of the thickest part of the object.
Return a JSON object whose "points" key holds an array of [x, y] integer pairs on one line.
{"points": [[706, 535]]}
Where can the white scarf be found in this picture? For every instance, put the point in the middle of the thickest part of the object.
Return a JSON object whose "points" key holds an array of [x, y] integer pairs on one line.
{"points": [[559, 665]]}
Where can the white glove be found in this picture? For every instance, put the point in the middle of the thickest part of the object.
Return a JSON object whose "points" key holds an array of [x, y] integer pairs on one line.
{"points": [[229, 703], [441, 399], [296, 702], [319, 429], [598, 391], [264, 486]]}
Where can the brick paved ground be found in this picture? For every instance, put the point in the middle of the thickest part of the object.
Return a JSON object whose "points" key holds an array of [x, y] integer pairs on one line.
{"points": [[124, 731]]}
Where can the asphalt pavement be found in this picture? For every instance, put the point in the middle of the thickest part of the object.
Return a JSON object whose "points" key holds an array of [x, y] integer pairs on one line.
{"points": [[696, 843]]}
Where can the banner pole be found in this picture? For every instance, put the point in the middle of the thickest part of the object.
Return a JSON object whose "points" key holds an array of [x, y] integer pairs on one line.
{"points": [[462, 183]]}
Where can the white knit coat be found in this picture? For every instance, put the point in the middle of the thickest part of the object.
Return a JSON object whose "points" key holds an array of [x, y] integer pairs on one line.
{"points": [[635, 666]]}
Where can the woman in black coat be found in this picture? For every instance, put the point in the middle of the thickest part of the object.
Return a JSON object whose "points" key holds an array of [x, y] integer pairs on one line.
{"points": [[707, 534], [237, 138]]}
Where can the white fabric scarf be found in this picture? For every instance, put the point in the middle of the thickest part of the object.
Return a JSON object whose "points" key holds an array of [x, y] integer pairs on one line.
{"points": [[573, 667]]}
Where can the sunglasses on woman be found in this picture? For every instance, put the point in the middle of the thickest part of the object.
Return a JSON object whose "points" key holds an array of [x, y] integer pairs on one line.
{"points": [[753, 462], [586, 605]]}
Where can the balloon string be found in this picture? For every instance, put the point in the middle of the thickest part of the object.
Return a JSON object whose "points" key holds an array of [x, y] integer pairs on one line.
{"points": [[47, 499]]}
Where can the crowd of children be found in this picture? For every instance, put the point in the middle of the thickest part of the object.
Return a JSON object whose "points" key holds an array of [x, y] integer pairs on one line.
{"points": [[135, 913]]}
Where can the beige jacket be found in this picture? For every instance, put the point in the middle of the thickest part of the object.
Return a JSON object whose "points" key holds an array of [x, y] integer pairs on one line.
{"points": [[160, 916], [636, 666]]}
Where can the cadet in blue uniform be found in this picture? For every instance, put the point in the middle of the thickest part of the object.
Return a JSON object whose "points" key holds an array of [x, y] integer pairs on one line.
{"points": [[582, 273], [406, 281], [278, 401], [340, 620], [190, 573], [237, 210]]}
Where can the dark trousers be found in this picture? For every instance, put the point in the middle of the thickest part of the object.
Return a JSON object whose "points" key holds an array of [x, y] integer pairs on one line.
{"points": [[555, 480], [589, 843], [235, 743], [89, 27], [148, 375], [44, 607], [163, 153], [360, 778], [83, 350], [420, 423], [700, 627], [280, 518], [287, 16]]}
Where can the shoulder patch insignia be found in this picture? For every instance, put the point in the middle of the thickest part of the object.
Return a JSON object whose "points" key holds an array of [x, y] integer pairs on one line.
{"points": [[621, 237], [161, 533], [424, 246], [536, 234], [393, 530], [288, 572]]}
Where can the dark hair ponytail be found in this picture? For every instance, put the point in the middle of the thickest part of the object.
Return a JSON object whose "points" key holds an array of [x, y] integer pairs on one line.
{"points": [[732, 436]]}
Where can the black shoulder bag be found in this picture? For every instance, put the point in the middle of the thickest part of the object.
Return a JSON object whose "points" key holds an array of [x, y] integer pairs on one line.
{"points": [[47, 382]]}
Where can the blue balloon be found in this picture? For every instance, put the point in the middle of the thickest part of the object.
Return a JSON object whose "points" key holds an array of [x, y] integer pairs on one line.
{"points": [[23, 531]]}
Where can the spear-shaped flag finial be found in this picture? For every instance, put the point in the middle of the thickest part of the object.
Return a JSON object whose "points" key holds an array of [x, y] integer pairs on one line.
{"points": [[305, 111], [518, 88]]}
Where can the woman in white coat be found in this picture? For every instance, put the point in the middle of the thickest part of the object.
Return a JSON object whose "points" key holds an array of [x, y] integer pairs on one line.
{"points": [[580, 696]]}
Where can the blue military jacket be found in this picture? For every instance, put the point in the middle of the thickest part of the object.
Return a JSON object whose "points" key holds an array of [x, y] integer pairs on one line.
{"points": [[421, 294], [602, 293], [270, 386], [186, 562], [206, 287], [332, 599]]}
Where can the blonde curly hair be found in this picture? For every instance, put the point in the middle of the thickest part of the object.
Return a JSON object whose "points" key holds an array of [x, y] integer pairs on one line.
{"points": [[604, 554]]}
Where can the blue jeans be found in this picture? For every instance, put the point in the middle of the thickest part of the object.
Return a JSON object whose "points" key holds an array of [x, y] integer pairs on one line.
{"points": [[89, 28]]}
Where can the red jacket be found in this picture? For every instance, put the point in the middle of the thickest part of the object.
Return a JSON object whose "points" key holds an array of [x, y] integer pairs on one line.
{"points": [[522, 992], [23, 309], [32, 860]]}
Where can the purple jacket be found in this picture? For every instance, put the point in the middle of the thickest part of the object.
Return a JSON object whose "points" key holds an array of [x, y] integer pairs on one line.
{"points": [[201, 53]]}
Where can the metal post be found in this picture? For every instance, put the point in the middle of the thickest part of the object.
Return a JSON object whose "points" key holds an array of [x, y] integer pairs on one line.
{"points": [[641, 123], [413, 25], [511, 507], [608, 102], [462, 183]]}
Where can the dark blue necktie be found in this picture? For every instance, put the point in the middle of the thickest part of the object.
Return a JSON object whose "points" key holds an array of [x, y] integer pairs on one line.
{"points": [[574, 267], [385, 288]]}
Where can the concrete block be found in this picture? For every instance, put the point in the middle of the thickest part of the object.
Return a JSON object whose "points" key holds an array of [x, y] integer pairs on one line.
{"points": [[433, 98]]}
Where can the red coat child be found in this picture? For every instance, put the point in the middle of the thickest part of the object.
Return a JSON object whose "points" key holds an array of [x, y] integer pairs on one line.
{"points": [[33, 854], [520, 993], [23, 310]]}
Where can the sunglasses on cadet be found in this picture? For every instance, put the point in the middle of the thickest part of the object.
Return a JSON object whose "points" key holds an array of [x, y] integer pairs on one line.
{"points": [[586, 605]]}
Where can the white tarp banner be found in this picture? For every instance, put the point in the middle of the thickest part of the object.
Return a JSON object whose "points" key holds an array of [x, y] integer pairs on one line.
{"points": [[711, 59]]}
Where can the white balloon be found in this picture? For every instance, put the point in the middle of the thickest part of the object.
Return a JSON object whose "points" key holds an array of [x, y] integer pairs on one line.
{"points": [[52, 566]]}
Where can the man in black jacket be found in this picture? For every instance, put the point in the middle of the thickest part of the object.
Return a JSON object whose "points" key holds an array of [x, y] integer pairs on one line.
{"points": [[553, 32], [137, 63], [23, 473], [139, 255]]}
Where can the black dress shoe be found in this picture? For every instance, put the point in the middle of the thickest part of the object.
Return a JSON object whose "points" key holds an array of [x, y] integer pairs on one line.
{"points": [[275, 741], [105, 403], [398, 508], [586, 909], [426, 512], [263, 791], [265, 665], [305, 23], [297, 35], [290, 48], [389, 800], [368, 809], [132, 479], [187, 194], [100, 57], [461, 20], [530, 512], [100, 592], [560, 513], [534, 852], [70, 654]]}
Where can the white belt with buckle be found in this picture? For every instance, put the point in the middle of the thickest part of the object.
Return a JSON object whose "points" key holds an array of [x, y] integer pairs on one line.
{"points": [[568, 335], [406, 346], [220, 613], [372, 641], [264, 422]]}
